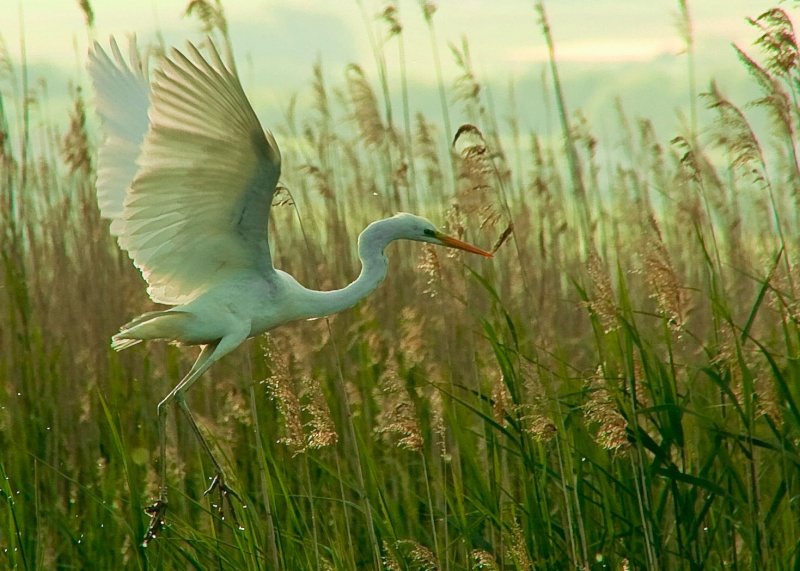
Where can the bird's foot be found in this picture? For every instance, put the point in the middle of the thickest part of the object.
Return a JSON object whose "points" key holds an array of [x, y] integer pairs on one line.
{"points": [[225, 493], [156, 513]]}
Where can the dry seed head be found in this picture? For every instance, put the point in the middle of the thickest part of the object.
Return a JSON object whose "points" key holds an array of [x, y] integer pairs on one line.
{"points": [[663, 281], [399, 417], [279, 389], [603, 304], [516, 549], [321, 429], [321, 181], [365, 108], [426, 148], [466, 86], [476, 171], [210, 15], [536, 423], [75, 145], [428, 9], [437, 420], [768, 399], [412, 335], [419, 554], [501, 400], [776, 100], [88, 13], [390, 16], [390, 563], [321, 104], [732, 131], [778, 41], [601, 408], [429, 264], [484, 561]]}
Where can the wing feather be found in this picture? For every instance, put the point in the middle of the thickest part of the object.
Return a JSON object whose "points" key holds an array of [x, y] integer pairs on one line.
{"points": [[122, 97], [198, 205]]}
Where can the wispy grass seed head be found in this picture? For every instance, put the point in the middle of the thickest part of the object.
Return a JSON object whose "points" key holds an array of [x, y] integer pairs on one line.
{"points": [[398, 416], [662, 279], [516, 548], [483, 561], [601, 409], [603, 303], [365, 108], [778, 41]]}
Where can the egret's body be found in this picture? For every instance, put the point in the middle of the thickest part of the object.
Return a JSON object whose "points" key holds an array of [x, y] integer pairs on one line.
{"points": [[186, 176]]}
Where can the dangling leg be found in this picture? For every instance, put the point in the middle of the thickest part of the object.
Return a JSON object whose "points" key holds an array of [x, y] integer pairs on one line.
{"points": [[158, 509], [208, 356], [218, 482]]}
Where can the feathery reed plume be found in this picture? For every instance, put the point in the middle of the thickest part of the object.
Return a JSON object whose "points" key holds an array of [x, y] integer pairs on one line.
{"points": [[412, 346], [321, 104], [483, 561], [390, 562], [663, 280], [211, 16], [279, 388], [75, 145], [428, 150], [321, 182], [398, 415], [421, 557], [733, 132], [475, 193], [365, 108], [775, 99], [778, 41], [501, 400], [516, 549], [603, 304], [532, 413], [438, 425], [321, 429], [466, 86], [601, 409], [391, 18], [88, 13], [428, 9], [430, 265]]}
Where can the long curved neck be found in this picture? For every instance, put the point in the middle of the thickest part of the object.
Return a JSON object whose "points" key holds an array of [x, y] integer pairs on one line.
{"points": [[371, 244]]}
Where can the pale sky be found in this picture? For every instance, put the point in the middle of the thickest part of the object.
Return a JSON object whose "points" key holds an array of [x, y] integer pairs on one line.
{"points": [[276, 42]]}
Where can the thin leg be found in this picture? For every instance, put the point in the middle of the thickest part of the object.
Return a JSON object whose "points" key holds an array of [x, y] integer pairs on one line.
{"points": [[159, 508], [208, 355], [218, 482]]}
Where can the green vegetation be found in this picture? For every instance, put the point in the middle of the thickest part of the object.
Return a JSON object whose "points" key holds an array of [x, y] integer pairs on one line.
{"points": [[618, 389]]}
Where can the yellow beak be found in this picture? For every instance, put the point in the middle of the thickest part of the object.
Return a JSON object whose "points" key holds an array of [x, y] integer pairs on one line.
{"points": [[456, 243]]}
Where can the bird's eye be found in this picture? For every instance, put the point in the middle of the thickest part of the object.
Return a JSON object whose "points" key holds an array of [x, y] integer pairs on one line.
{"points": [[428, 232]]}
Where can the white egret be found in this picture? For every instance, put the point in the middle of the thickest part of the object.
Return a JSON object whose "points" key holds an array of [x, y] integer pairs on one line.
{"points": [[186, 176]]}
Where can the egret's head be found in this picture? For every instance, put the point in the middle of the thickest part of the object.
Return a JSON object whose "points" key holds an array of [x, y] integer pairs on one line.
{"points": [[422, 230]]}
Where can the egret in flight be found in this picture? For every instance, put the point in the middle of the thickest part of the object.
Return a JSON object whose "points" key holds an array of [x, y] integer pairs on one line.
{"points": [[186, 176]]}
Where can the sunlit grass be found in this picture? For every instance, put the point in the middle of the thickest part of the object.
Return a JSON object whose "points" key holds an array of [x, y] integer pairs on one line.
{"points": [[617, 389]]}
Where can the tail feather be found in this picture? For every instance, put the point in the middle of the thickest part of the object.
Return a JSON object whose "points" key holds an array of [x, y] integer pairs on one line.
{"points": [[151, 325], [118, 343]]}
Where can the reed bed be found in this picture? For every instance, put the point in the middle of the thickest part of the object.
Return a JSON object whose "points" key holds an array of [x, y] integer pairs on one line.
{"points": [[617, 389]]}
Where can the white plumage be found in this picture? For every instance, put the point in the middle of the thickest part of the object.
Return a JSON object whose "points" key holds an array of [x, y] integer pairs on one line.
{"points": [[186, 176]]}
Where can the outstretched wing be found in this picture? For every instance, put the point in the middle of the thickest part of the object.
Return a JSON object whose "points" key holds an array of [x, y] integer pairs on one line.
{"points": [[198, 206], [122, 97]]}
